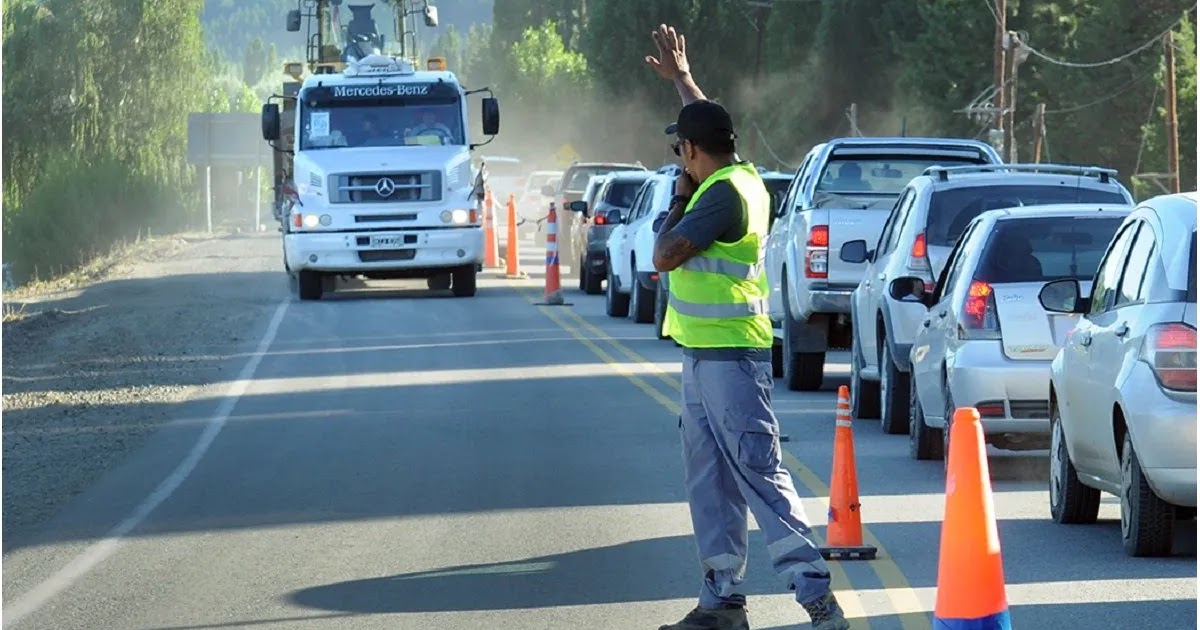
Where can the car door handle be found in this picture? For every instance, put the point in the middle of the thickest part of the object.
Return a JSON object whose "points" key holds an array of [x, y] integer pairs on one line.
{"points": [[882, 277], [925, 323], [1085, 341], [942, 314], [1122, 330]]}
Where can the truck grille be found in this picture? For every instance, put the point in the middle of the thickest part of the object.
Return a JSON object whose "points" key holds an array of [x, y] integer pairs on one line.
{"points": [[387, 187], [382, 255]]}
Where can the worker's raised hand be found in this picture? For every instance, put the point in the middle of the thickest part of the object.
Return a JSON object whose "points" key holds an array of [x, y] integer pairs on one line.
{"points": [[671, 63]]}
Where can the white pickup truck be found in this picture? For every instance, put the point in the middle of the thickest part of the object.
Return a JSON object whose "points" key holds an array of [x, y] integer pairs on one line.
{"points": [[843, 191]]}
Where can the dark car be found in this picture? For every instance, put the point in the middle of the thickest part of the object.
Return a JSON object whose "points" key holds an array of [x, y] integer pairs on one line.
{"points": [[589, 235], [570, 188]]}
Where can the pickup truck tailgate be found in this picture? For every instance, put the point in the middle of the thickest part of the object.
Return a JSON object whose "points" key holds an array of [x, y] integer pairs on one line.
{"points": [[849, 224]]}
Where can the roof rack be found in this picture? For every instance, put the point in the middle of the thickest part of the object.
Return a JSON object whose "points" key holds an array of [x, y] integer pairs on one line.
{"points": [[943, 172]]}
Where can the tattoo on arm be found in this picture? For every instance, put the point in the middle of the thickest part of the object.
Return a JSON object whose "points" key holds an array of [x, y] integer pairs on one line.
{"points": [[672, 250]]}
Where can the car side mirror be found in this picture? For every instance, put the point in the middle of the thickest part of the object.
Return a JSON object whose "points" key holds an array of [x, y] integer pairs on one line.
{"points": [[614, 217], [293, 21], [909, 289], [855, 251], [548, 191], [1063, 296], [270, 122], [658, 221], [577, 206]]}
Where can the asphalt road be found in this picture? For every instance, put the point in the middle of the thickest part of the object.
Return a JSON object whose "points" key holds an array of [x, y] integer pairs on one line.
{"points": [[402, 459]]}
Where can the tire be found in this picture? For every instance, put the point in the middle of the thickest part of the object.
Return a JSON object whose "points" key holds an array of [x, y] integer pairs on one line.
{"points": [[615, 304], [777, 361], [924, 441], [582, 275], [893, 392], [1147, 522], [440, 282], [946, 431], [310, 284], [1071, 502], [660, 309], [864, 394], [641, 303], [802, 371], [590, 282], [464, 282]]}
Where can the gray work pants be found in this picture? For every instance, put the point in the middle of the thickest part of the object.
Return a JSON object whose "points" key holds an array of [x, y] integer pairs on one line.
{"points": [[732, 461]]}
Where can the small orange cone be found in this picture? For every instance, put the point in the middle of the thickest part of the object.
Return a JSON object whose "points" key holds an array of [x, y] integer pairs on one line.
{"points": [[554, 296], [844, 535], [512, 256], [970, 584], [491, 245]]}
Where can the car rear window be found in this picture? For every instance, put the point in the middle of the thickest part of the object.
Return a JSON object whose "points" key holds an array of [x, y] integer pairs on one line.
{"points": [[950, 211], [777, 188], [621, 193], [1040, 249], [580, 176], [878, 174]]}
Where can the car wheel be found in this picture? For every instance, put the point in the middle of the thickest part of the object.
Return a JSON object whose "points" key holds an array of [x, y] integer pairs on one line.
{"points": [[1071, 502], [660, 308], [641, 304], [893, 388], [1147, 522], [582, 273], [615, 304], [924, 441], [864, 394], [946, 429]]}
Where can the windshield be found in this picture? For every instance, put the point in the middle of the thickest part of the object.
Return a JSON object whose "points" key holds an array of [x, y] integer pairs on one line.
{"points": [[387, 122], [878, 174], [536, 182], [621, 193], [951, 210], [1041, 249], [580, 176]]}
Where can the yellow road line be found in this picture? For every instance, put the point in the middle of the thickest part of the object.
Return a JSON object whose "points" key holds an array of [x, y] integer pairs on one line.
{"points": [[839, 580], [899, 592]]}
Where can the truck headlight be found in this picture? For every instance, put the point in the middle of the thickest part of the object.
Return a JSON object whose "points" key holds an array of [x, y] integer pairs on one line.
{"points": [[457, 217], [311, 220]]}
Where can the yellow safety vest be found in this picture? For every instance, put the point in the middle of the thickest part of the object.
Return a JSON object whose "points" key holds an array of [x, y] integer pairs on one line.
{"points": [[718, 298]]}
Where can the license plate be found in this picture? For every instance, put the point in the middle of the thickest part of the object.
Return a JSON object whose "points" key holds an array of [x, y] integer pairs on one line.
{"points": [[385, 241]]}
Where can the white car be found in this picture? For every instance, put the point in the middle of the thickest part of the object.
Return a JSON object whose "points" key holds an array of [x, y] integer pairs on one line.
{"points": [[985, 341], [531, 203], [928, 218], [632, 279], [1123, 388]]}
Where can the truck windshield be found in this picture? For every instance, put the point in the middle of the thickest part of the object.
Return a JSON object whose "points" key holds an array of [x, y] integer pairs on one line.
{"points": [[388, 122], [951, 210], [878, 174]]}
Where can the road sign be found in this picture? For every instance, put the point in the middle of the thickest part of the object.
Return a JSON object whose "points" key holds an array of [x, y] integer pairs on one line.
{"points": [[565, 155], [227, 139]]}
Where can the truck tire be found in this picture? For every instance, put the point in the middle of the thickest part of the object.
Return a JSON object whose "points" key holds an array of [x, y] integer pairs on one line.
{"points": [[311, 285], [440, 282], [463, 281], [802, 371], [641, 302]]}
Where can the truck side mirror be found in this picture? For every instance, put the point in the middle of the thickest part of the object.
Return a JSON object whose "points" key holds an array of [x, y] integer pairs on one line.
{"points": [[431, 16], [270, 122], [491, 116], [293, 21]]}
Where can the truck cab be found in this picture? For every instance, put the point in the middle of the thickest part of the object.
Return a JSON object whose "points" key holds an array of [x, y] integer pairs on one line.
{"points": [[382, 184]]}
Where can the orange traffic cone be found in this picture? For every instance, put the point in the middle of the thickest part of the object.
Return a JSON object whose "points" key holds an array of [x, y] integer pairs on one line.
{"points": [[554, 295], [491, 245], [970, 584], [844, 535], [512, 255]]}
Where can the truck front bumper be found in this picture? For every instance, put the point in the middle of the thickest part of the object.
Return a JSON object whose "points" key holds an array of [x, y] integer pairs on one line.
{"points": [[363, 252]]}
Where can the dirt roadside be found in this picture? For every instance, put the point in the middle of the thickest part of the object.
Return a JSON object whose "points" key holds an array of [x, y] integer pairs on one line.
{"points": [[83, 365]]}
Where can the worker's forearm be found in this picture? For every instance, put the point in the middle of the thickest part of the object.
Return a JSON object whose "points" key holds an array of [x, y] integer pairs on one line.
{"points": [[689, 92]]}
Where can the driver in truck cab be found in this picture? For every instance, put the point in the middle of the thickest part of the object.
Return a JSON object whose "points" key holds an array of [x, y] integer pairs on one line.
{"points": [[429, 130]]}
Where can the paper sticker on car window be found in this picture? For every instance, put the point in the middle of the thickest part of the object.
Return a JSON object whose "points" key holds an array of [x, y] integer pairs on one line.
{"points": [[318, 125]]}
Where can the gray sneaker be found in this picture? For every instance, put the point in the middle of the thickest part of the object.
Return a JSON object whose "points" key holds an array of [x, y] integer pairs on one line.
{"points": [[827, 614], [728, 618]]}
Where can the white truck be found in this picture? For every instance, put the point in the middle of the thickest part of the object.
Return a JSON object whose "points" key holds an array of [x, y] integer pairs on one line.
{"points": [[843, 191], [382, 184]]}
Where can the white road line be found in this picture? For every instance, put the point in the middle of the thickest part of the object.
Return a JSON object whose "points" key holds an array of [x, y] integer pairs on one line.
{"points": [[99, 551]]}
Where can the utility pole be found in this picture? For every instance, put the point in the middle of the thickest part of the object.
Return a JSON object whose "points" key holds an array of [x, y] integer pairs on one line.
{"points": [[1011, 44], [1039, 132], [1172, 115], [998, 65], [762, 9], [852, 116]]}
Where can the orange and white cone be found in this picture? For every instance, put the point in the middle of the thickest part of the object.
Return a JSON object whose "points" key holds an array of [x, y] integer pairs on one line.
{"points": [[844, 535], [512, 255], [554, 294], [491, 245]]}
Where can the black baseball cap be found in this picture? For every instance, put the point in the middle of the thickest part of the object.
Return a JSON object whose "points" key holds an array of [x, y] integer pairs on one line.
{"points": [[705, 123]]}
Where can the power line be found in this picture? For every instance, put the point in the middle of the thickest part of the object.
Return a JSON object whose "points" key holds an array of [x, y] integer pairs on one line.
{"points": [[1157, 39], [1104, 99]]}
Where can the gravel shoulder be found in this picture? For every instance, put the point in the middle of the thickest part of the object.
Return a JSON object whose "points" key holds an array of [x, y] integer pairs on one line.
{"points": [[89, 361]]}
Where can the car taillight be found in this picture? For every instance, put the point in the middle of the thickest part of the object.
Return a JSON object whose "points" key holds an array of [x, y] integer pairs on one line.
{"points": [[1170, 349], [816, 254], [979, 320], [600, 220], [990, 408], [918, 262]]}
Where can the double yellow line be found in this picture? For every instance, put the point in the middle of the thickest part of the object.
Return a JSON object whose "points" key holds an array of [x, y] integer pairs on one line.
{"points": [[905, 604]]}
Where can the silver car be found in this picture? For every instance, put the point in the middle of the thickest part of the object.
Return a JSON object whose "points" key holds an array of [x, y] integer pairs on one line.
{"points": [[985, 341], [1123, 388]]}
